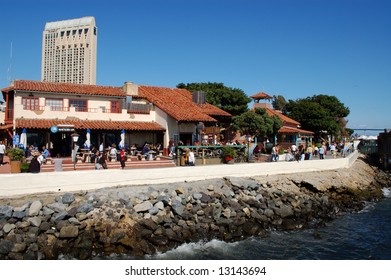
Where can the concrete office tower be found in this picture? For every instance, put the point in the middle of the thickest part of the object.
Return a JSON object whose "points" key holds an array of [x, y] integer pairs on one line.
{"points": [[69, 51]]}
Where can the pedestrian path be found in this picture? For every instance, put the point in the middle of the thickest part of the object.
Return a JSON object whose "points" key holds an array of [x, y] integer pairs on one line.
{"points": [[69, 166], [27, 183]]}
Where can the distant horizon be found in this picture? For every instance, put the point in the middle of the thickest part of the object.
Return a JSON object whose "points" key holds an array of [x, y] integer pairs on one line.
{"points": [[296, 50]]}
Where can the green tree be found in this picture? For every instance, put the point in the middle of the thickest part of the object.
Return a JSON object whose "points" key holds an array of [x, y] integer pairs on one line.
{"points": [[321, 114], [279, 103], [231, 100], [257, 123]]}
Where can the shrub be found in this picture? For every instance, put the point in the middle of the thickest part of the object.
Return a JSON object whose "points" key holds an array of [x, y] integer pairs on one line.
{"points": [[15, 154], [228, 151]]}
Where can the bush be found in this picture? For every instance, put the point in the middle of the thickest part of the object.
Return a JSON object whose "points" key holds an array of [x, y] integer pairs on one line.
{"points": [[24, 167], [15, 154], [228, 151]]}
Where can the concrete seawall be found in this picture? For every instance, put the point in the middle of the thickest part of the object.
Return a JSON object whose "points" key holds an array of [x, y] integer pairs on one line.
{"points": [[24, 184]]}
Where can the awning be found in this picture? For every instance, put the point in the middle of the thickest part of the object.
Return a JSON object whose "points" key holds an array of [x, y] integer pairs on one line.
{"points": [[93, 125], [292, 130], [7, 126]]}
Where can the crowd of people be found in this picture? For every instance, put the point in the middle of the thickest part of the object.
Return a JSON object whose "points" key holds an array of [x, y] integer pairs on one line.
{"points": [[301, 152], [100, 156]]}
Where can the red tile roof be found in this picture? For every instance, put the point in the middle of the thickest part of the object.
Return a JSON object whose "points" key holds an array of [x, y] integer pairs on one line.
{"points": [[261, 95], [25, 85], [178, 104], [84, 124], [283, 118], [286, 129]]}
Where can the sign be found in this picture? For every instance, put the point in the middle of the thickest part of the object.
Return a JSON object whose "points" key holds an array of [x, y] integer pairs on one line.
{"points": [[16, 140], [66, 127], [54, 129]]}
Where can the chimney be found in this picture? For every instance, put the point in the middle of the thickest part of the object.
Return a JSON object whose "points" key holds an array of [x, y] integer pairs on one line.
{"points": [[199, 97], [130, 88]]}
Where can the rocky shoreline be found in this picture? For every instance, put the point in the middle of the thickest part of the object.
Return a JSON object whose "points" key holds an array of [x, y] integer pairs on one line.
{"points": [[148, 219]]}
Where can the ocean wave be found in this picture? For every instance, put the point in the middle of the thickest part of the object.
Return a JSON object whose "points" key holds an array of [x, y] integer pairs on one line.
{"points": [[368, 206], [201, 248], [386, 192]]}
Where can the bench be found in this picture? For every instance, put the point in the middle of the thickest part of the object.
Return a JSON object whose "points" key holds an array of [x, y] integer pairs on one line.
{"points": [[48, 160]]}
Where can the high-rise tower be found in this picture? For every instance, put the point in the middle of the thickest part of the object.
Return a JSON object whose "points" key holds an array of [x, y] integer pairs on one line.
{"points": [[69, 50]]}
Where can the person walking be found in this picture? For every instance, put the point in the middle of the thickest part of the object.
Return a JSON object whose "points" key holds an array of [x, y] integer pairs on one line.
{"points": [[122, 157], [102, 160], [333, 150], [2, 153], [96, 160], [191, 158], [321, 152]]}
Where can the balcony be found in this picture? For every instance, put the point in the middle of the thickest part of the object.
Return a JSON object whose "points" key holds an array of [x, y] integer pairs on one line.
{"points": [[137, 108], [141, 112]]}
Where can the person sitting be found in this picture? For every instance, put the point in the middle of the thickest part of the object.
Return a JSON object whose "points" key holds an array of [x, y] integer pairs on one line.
{"points": [[40, 158], [113, 152], [256, 151], [145, 151], [45, 152], [35, 166]]}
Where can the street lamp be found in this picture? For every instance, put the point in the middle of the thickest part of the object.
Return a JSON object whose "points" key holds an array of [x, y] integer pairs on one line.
{"points": [[248, 138], [75, 138]]}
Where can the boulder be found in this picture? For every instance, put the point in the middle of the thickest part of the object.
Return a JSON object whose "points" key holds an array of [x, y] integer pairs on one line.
{"points": [[284, 211], [143, 207], [68, 198], [35, 221], [6, 246], [69, 232], [35, 207], [8, 227], [57, 207]]}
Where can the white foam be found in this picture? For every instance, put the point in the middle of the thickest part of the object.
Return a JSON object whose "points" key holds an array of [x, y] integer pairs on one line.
{"points": [[386, 192], [190, 249]]}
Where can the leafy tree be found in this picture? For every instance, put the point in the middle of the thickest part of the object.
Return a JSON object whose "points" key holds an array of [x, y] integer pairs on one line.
{"points": [[231, 100], [321, 114], [279, 103], [257, 123]]}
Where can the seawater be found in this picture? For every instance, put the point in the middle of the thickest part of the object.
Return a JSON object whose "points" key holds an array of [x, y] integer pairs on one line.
{"points": [[357, 236]]}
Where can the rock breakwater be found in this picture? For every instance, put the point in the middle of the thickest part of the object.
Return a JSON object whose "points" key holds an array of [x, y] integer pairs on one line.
{"points": [[149, 219]]}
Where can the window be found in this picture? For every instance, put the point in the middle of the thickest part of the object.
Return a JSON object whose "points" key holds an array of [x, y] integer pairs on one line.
{"points": [[80, 105], [114, 106], [55, 104], [30, 103]]}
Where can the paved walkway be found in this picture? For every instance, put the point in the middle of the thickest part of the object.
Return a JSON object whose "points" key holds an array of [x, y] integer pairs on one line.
{"points": [[26, 183]]}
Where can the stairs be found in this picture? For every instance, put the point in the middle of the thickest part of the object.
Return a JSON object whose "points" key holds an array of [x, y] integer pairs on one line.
{"points": [[67, 165]]}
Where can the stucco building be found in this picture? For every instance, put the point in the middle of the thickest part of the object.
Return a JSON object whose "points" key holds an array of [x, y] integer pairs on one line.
{"points": [[146, 114]]}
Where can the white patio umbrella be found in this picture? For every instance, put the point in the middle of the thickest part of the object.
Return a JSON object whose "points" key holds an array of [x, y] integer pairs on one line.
{"points": [[23, 139], [87, 144], [122, 142]]}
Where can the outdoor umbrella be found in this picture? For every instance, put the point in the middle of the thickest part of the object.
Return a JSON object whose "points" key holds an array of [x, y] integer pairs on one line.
{"points": [[23, 139], [122, 142], [87, 144]]}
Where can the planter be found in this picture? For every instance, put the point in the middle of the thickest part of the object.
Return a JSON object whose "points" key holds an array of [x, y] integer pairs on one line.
{"points": [[15, 166], [228, 159]]}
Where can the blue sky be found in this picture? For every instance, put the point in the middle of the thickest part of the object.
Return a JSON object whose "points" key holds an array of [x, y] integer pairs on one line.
{"points": [[295, 48]]}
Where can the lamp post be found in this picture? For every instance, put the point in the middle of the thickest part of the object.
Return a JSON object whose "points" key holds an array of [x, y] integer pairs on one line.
{"points": [[248, 138], [75, 138]]}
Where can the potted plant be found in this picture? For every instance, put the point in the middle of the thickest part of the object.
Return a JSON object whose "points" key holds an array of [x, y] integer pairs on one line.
{"points": [[229, 154], [24, 167], [16, 155]]}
